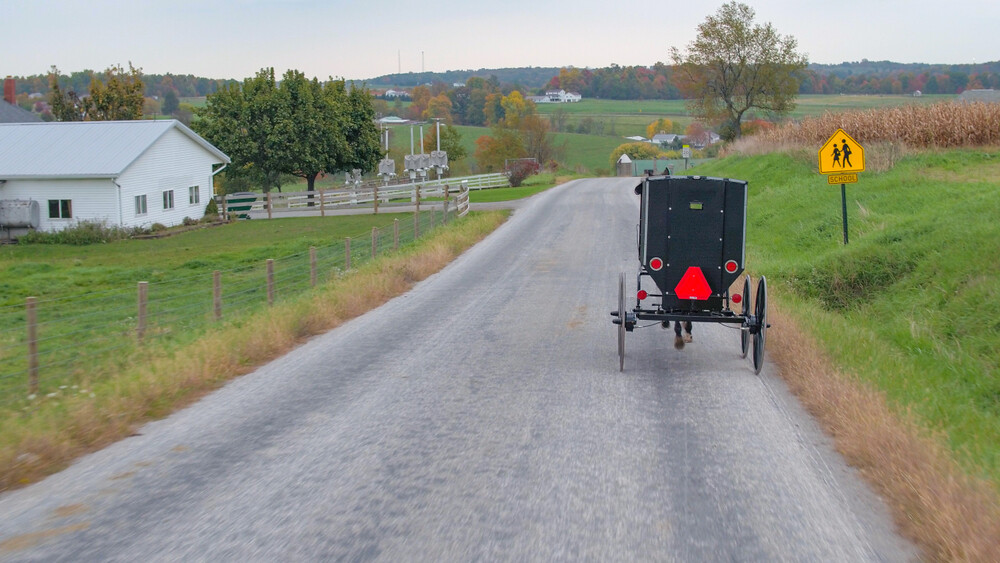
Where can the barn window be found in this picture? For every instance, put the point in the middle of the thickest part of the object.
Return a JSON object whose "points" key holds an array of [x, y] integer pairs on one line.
{"points": [[140, 205], [193, 195], [168, 199], [60, 209]]}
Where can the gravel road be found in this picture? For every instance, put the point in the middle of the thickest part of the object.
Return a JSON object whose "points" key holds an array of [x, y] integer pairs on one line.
{"points": [[480, 416]]}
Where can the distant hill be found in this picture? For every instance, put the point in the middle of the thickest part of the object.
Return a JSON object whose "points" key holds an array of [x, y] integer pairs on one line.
{"points": [[528, 77], [883, 69]]}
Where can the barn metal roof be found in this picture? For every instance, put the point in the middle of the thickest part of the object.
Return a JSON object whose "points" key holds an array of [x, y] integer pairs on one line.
{"points": [[82, 149]]}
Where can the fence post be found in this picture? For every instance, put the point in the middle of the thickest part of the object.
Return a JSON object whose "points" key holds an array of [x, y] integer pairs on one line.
{"points": [[32, 344], [347, 253], [416, 216], [375, 197], [268, 205], [374, 242], [140, 329], [322, 212], [395, 234], [225, 212], [312, 266], [270, 282], [447, 194], [217, 294]]}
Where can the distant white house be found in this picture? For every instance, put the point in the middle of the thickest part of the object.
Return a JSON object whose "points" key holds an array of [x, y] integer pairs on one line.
{"points": [[561, 96], [397, 94], [124, 173], [664, 138]]}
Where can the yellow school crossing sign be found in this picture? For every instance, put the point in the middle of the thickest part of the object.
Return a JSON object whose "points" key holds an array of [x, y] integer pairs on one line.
{"points": [[841, 157]]}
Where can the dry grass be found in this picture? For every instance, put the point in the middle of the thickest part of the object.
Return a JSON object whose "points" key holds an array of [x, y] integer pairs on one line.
{"points": [[39, 443], [952, 516]]}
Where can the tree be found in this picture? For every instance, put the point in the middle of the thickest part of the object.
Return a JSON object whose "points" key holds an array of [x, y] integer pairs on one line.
{"points": [[635, 151], [171, 103], [734, 65], [242, 121], [120, 98], [451, 141], [492, 151], [662, 125], [300, 127], [438, 107]]}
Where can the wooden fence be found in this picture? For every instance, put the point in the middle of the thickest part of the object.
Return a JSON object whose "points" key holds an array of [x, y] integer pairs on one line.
{"points": [[449, 194]]}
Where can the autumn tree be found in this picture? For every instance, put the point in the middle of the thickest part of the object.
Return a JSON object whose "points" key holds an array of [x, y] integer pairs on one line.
{"points": [[662, 125], [635, 151], [735, 65], [438, 107], [493, 151], [420, 97], [119, 97]]}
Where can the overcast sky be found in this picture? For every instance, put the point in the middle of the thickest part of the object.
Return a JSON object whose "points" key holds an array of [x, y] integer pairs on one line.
{"points": [[368, 38]]}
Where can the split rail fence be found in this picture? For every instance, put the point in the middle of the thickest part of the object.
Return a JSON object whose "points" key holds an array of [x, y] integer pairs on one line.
{"points": [[447, 192], [63, 345]]}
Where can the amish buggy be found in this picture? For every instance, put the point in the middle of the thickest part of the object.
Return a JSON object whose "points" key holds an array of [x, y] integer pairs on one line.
{"points": [[691, 235]]}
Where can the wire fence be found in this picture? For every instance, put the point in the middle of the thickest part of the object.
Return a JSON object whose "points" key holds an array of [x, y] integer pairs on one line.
{"points": [[64, 344]]}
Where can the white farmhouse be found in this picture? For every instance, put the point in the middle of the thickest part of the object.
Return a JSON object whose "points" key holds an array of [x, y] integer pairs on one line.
{"points": [[124, 173]]}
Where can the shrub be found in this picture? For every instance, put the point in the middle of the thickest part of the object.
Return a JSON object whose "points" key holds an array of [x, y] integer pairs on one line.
{"points": [[157, 227], [189, 221], [212, 209], [82, 233], [520, 170]]}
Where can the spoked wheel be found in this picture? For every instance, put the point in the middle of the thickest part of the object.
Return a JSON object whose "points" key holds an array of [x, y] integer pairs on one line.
{"points": [[745, 332], [760, 312], [621, 322]]}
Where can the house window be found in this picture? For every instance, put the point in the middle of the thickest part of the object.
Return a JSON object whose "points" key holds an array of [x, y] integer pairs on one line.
{"points": [[193, 195], [60, 209], [140, 205], [168, 199]]}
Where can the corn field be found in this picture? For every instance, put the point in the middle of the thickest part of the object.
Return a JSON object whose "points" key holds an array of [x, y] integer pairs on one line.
{"points": [[943, 125]]}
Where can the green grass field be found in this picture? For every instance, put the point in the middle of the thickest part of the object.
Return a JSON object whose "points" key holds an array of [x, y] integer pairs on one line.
{"points": [[912, 304], [87, 294]]}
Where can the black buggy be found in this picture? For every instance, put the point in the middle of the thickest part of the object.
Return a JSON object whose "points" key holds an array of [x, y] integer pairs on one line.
{"points": [[691, 245]]}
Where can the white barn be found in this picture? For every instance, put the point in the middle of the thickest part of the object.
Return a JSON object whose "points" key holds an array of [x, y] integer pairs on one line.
{"points": [[123, 173]]}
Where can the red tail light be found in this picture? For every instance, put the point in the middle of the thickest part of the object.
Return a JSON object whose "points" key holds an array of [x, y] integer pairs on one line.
{"points": [[642, 294], [655, 264], [737, 298]]}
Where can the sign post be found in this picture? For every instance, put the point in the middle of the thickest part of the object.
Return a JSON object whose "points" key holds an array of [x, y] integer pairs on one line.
{"points": [[686, 153], [841, 158]]}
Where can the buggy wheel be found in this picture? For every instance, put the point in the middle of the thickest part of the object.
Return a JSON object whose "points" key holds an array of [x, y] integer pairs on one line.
{"points": [[760, 312], [621, 322], [745, 329]]}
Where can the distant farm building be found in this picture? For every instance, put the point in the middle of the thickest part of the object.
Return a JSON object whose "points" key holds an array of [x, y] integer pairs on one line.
{"points": [[980, 95]]}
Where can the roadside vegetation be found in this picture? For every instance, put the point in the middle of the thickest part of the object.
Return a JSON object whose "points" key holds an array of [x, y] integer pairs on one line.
{"points": [[891, 340]]}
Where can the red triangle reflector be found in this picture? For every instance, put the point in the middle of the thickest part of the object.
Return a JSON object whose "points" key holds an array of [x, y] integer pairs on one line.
{"points": [[693, 285]]}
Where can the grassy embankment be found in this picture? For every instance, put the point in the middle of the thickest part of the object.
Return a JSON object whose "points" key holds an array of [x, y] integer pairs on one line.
{"points": [[136, 383], [907, 320]]}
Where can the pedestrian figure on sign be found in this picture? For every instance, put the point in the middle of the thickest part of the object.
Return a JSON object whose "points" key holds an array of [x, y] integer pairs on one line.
{"points": [[847, 154], [836, 155]]}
